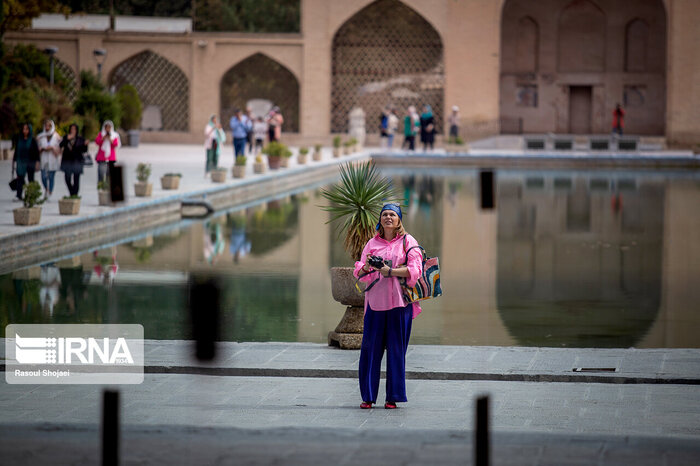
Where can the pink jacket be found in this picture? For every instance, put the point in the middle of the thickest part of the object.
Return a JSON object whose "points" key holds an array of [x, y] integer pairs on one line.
{"points": [[101, 156], [386, 293]]}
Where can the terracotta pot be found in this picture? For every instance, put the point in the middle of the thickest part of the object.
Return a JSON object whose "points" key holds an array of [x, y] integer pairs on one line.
{"points": [[218, 176], [170, 182], [143, 189], [68, 206], [284, 162], [105, 197], [27, 215], [259, 168], [238, 171], [274, 162], [302, 159], [317, 156]]}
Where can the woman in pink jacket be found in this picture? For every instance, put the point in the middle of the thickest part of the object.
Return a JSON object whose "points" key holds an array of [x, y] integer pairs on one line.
{"points": [[388, 317], [107, 144]]}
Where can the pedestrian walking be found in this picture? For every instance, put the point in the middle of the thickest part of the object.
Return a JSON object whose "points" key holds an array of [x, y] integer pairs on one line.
{"points": [[240, 126], [410, 122], [260, 133], [49, 142], [454, 124], [251, 119], [74, 149], [108, 142], [383, 125], [25, 160], [618, 120], [392, 126], [427, 128], [215, 136], [274, 120], [388, 318]]}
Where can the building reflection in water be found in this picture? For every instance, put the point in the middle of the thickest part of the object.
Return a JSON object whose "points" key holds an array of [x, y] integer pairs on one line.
{"points": [[566, 259]]}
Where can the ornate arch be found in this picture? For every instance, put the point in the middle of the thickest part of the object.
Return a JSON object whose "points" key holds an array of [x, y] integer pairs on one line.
{"points": [[261, 77], [160, 83], [386, 54]]}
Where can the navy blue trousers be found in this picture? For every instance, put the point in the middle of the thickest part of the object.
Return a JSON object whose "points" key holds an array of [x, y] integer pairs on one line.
{"points": [[390, 331]]}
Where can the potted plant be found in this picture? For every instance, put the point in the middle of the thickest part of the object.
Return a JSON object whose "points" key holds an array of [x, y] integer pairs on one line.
{"points": [[131, 112], [275, 151], [336, 147], [286, 156], [170, 180], [239, 166], [69, 205], [103, 193], [30, 214], [303, 156], [142, 187], [356, 200], [353, 144], [347, 147], [218, 175], [317, 153], [259, 165]]}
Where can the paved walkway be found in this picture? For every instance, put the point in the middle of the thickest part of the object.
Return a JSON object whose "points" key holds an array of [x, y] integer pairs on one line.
{"points": [[180, 418]]}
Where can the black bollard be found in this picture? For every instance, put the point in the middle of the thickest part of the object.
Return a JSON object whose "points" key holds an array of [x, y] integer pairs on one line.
{"points": [[486, 186], [204, 303], [482, 442], [110, 428], [116, 182]]}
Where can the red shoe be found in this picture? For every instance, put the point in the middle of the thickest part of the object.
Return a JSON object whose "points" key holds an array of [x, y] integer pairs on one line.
{"points": [[389, 405], [365, 405]]}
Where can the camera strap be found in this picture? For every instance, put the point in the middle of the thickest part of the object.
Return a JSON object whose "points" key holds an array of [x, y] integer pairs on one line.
{"points": [[368, 287]]}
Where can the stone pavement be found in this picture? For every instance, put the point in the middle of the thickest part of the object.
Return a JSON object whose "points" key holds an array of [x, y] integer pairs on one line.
{"points": [[185, 418]]}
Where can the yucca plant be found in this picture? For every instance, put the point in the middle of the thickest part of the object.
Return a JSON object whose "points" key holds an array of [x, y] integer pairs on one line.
{"points": [[357, 199]]}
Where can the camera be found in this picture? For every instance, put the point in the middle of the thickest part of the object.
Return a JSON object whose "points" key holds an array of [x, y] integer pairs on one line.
{"points": [[377, 262]]}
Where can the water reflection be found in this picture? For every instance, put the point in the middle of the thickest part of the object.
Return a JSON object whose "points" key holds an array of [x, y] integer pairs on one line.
{"points": [[566, 259]]}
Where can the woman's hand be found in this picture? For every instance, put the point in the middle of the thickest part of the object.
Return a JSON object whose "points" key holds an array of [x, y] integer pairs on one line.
{"points": [[385, 271]]}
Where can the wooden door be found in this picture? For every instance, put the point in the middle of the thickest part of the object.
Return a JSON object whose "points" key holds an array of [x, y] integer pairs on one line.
{"points": [[580, 109]]}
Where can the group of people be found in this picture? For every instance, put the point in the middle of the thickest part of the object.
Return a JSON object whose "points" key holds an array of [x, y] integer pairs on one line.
{"points": [[422, 125], [48, 152], [246, 129]]}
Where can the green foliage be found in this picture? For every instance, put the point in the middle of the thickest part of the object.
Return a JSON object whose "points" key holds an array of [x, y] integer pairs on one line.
{"points": [[352, 141], [32, 194], [90, 81], [143, 171], [131, 107], [241, 161], [456, 140], [88, 124], [248, 15], [179, 175], [54, 103], [18, 14], [276, 149], [103, 185], [72, 196], [357, 200], [304, 150], [101, 104], [336, 141], [26, 107], [317, 148], [26, 63]]}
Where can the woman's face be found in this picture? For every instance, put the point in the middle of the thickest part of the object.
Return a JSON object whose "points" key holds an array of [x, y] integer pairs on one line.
{"points": [[73, 131], [108, 128], [213, 120], [47, 126], [390, 219], [25, 130]]}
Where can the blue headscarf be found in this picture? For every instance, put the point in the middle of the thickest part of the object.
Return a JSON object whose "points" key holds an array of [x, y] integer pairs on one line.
{"points": [[428, 112], [392, 207]]}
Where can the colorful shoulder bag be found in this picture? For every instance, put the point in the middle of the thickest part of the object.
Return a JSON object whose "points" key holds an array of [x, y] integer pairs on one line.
{"points": [[428, 284]]}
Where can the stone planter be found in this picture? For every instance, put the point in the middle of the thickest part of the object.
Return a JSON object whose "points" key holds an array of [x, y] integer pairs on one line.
{"points": [[143, 189], [317, 156], [238, 171], [302, 159], [337, 152], [259, 168], [347, 150], [284, 162], [348, 333], [218, 176], [105, 197], [170, 182], [274, 162], [68, 206], [27, 215]]}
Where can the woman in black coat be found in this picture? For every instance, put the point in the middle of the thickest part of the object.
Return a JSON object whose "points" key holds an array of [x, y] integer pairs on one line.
{"points": [[427, 128], [74, 149], [26, 159]]}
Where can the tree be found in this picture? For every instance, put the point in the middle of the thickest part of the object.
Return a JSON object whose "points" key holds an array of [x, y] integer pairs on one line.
{"points": [[18, 14], [131, 107]]}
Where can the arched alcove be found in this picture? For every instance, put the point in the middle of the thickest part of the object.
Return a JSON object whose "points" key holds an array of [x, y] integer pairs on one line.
{"points": [[261, 77], [581, 37], [386, 54], [161, 85], [527, 45], [636, 40]]}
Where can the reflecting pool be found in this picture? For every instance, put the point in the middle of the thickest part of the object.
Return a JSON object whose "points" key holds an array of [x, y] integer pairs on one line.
{"points": [[566, 259]]}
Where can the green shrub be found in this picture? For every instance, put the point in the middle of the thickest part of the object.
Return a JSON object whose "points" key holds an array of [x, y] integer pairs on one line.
{"points": [[90, 81], [317, 148], [54, 103], [304, 151], [336, 141], [32, 194], [131, 107], [241, 161], [25, 63], [143, 171], [103, 185], [102, 104], [27, 107], [276, 149], [179, 175], [72, 196]]}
